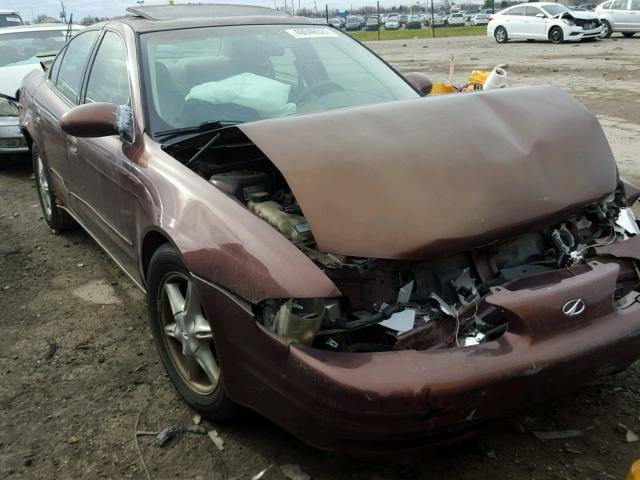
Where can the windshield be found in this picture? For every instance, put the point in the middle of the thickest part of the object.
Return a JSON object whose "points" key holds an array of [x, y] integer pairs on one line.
{"points": [[554, 10], [21, 48], [247, 73]]}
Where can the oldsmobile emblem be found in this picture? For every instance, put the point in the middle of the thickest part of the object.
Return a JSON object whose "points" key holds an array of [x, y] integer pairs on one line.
{"points": [[574, 308]]}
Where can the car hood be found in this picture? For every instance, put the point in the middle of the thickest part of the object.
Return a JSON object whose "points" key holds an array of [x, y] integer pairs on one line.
{"points": [[11, 77], [416, 178]]}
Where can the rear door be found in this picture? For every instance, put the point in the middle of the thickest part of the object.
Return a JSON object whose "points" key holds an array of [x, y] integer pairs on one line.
{"points": [[620, 14], [58, 96], [634, 15], [514, 22], [101, 168], [534, 26]]}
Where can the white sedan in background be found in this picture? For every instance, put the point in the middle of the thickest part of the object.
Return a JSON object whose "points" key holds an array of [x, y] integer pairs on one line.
{"points": [[543, 21]]}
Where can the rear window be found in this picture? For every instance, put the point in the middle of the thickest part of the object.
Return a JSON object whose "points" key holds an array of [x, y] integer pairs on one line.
{"points": [[10, 20]]}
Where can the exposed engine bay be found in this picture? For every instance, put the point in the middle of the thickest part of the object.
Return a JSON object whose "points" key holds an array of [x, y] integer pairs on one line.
{"points": [[398, 304]]}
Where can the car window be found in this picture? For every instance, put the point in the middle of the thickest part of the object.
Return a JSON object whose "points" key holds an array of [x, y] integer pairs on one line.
{"points": [[635, 5], [109, 78], [532, 11], [619, 5], [55, 67], [10, 20], [73, 63], [515, 11]]}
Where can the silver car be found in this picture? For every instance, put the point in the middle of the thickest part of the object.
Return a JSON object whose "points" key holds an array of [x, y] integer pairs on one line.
{"points": [[22, 49], [619, 16]]}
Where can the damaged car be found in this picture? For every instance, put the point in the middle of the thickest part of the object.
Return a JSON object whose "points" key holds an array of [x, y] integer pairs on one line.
{"points": [[543, 21], [310, 244]]}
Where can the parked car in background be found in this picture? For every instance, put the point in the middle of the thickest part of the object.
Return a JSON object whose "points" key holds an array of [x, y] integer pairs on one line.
{"points": [[437, 19], [372, 23], [22, 49], [454, 19], [585, 7], [480, 19], [403, 19], [543, 21], [392, 23], [10, 18], [204, 173], [353, 23], [414, 22], [619, 16], [337, 22]]}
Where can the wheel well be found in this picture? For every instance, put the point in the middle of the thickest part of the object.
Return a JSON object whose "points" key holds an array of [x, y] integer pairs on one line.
{"points": [[27, 137], [152, 241]]}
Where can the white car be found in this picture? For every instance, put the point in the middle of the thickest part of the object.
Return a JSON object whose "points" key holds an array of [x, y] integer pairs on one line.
{"points": [[543, 21], [392, 23], [455, 19], [480, 19], [619, 16], [21, 51]]}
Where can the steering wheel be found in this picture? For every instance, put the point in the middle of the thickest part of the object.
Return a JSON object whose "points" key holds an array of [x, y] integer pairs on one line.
{"points": [[319, 89]]}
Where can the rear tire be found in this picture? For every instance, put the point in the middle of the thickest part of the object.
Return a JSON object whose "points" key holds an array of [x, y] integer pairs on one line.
{"points": [[57, 219], [556, 35], [500, 34], [196, 374], [628, 34], [606, 29]]}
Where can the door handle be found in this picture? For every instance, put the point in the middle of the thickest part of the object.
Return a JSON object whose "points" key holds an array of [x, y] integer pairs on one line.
{"points": [[72, 143]]}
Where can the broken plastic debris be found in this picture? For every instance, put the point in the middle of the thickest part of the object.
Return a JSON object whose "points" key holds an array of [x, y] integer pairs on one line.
{"points": [[167, 434], [404, 294], [557, 434], [215, 438], [72, 439], [294, 472], [401, 321], [630, 435], [196, 419]]}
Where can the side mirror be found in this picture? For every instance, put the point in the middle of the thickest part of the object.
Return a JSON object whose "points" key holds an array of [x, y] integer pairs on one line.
{"points": [[97, 120], [420, 82], [540, 15]]}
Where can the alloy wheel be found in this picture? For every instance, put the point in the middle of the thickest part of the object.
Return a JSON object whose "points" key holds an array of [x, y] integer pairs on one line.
{"points": [[43, 187], [187, 333]]}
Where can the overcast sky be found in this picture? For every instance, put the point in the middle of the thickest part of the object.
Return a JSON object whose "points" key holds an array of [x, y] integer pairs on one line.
{"points": [[110, 8]]}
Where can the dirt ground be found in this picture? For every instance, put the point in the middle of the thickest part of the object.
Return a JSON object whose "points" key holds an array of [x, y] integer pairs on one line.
{"points": [[77, 365]]}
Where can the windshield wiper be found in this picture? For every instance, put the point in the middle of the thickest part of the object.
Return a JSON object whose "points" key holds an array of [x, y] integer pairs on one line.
{"points": [[203, 127]]}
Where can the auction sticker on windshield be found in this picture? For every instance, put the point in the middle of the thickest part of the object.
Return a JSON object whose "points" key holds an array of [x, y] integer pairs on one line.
{"points": [[311, 32]]}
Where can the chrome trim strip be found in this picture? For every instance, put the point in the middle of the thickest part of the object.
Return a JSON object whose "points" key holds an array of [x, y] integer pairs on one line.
{"points": [[95, 239], [122, 237], [242, 303]]}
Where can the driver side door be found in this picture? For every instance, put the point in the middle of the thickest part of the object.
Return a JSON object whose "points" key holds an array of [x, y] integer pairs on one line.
{"points": [[101, 168]]}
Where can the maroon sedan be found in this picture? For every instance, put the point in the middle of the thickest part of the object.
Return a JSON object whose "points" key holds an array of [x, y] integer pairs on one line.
{"points": [[369, 267]]}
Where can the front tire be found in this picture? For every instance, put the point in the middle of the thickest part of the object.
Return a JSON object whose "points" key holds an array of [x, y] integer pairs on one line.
{"points": [[500, 34], [556, 35], [57, 219], [183, 336], [606, 29]]}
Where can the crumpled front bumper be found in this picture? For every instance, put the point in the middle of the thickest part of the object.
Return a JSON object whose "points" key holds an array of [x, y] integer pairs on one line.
{"points": [[578, 33], [364, 402]]}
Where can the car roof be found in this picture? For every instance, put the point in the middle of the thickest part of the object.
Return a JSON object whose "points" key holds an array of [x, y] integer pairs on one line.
{"points": [[9, 12], [39, 27], [172, 17]]}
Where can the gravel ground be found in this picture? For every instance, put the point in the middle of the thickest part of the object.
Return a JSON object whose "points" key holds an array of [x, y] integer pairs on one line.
{"points": [[77, 365]]}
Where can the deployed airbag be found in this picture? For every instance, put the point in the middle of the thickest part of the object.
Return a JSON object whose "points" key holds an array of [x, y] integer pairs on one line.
{"points": [[416, 178], [265, 95]]}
